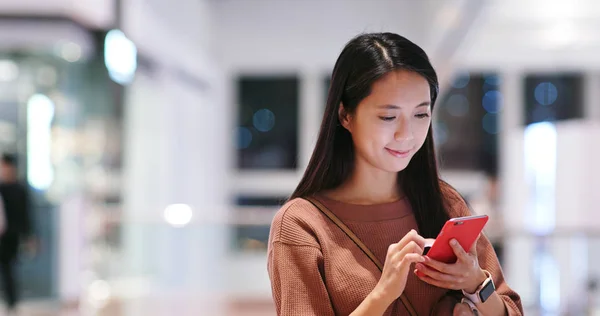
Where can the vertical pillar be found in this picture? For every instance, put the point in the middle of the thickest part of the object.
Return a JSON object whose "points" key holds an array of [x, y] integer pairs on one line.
{"points": [[592, 96], [514, 192], [175, 154]]}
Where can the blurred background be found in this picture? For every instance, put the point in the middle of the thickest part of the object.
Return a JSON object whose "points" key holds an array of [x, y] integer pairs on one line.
{"points": [[158, 138]]}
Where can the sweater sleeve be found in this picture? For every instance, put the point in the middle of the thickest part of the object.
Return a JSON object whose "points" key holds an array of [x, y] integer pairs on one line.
{"points": [[297, 281], [486, 255], [296, 264]]}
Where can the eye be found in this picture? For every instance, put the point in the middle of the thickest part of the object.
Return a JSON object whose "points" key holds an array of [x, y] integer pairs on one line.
{"points": [[387, 118], [422, 115]]}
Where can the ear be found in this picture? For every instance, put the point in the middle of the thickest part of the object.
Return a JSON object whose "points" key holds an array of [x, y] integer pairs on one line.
{"points": [[344, 117]]}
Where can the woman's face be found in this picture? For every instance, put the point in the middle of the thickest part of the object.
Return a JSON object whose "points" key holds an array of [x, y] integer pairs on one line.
{"points": [[390, 125]]}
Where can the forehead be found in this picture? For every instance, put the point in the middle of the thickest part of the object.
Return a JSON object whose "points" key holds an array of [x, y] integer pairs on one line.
{"points": [[402, 88]]}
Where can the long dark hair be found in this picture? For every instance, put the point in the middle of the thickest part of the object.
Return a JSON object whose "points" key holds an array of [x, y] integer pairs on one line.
{"points": [[364, 60]]}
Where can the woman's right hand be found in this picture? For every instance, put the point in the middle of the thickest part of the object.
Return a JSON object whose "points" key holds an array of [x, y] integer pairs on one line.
{"points": [[398, 260]]}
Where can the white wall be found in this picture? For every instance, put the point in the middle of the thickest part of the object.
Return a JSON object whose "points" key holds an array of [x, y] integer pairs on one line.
{"points": [[535, 34], [288, 35], [178, 36], [92, 13]]}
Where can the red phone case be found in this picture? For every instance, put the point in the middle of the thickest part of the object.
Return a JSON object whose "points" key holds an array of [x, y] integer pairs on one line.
{"points": [[464, 229]]}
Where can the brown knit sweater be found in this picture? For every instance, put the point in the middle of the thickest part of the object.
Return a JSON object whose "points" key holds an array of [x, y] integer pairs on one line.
{"points": [[315, 269]]}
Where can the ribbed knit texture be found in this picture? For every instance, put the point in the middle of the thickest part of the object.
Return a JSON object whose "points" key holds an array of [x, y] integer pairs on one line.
{"points": [[315, 269]]}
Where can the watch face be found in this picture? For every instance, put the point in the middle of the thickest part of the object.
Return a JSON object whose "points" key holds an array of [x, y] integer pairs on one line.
{"points": [[486, 291]]}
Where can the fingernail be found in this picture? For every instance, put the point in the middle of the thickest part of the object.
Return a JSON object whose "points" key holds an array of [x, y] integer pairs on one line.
{"points": [[454, 242]]}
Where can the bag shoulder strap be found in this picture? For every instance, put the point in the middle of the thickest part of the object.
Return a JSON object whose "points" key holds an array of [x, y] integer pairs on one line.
{"points": [[407, 304]]}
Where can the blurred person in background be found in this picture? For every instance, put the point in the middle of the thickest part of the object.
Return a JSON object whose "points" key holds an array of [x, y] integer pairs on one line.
{"points": [[15, 226], [374, 168]]}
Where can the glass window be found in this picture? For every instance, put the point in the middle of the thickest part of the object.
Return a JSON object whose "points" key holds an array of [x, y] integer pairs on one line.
{"points": [[466, 123], [267, 132], [553, 97], [253, 222]]}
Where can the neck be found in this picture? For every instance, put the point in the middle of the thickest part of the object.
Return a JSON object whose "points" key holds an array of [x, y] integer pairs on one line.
{"points": [[368, 185]]}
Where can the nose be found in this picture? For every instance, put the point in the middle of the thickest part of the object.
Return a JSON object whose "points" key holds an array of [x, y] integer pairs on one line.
{"points": [[403, 130]]}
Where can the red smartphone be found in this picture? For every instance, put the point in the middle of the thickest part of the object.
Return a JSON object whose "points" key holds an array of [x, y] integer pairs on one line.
{"points": [[464, 229]]}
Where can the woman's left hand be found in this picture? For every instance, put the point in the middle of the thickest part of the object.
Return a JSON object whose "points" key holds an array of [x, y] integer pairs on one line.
{"points": [[465, 274]]}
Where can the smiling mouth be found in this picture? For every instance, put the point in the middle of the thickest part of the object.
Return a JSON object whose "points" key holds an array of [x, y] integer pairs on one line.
{"points": [[398, 153]]}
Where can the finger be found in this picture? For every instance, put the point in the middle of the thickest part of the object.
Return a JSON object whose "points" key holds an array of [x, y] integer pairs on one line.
{"points": [[412, 258], [412, 235], [436, 274], [434, 282], [411, 248], [440, 266], [460, 253], [405, 263]]}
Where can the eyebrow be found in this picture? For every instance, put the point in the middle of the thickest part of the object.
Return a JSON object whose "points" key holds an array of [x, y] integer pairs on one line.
{"points": [[395, 107]]}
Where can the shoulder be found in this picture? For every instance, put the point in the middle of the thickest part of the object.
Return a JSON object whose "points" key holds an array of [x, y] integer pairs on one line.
{"points": [[454, 202], [296, 223]]}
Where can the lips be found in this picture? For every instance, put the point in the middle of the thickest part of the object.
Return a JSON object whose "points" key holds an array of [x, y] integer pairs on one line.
{"points": [[398, 153]]}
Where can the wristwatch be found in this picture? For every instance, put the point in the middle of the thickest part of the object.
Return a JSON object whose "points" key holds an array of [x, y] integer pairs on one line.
{"points": [[471, 306], [484, 291]]}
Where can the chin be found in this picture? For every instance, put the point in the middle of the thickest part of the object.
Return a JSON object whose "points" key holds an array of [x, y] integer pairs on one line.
{"points": [[397, 166], [400, 168]]}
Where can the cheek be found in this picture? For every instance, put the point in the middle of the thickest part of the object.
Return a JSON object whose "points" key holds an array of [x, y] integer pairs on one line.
{"points": [[371, 135], [421, 131]]}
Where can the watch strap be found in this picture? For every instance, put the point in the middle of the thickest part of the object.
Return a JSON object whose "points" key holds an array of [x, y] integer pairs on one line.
{"points": [[471, 305], [475, 297]]}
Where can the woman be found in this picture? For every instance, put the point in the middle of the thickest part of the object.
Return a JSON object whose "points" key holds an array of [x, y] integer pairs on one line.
{"points": [[374, 167]]}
